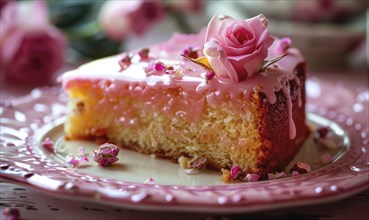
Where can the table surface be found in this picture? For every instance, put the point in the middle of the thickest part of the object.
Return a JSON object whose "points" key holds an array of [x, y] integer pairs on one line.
{"points": [[34, 204]]}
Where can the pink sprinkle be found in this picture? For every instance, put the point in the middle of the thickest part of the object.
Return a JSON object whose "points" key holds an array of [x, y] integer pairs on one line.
{"points": [[144, 53], [150, 181], [272, 176], [235, 171], [48, 145], [209, 75], [295, 173], [156, 68], [159, 66], [282, 45], [72, 160], [11, 213], [190, 52], [325, 158], [124, 62], [322, 132], [252, 177]]}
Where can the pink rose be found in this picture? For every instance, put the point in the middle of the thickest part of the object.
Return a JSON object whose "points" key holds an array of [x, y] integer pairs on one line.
{"points": [[31, 49], [236, 48], [118, 19]]}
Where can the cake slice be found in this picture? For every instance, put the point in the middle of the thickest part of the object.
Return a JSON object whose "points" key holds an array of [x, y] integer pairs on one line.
{"points": [[173, 101]]}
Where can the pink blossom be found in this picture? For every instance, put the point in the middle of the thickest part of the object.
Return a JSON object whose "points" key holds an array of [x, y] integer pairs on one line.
{"points": [[31, 49], [119, 18], [236, 48]]}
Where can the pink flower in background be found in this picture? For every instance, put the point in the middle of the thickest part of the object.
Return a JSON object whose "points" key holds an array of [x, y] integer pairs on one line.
{"points": [[119, 18], [31, 49], [187, 5], [236, 48]]}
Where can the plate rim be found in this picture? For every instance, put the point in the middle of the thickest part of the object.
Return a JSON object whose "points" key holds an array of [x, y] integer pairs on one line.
{"points": [[144, 197]]}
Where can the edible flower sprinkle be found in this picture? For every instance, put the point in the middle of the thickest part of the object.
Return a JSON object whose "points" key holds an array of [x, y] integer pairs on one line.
{"points": [[150, 181], [144, 53], [301, 168], [251, 177], [321, 132], [272, 176], [48, 144], [106, 155], [191, 52], [125, 62], [235, 172], [295, 173], [11, 213], [209, 75]]}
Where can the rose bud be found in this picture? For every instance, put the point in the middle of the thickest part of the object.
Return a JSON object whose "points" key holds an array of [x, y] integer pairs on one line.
{"points": [[31, 49], [118, 19], [106, 155]]}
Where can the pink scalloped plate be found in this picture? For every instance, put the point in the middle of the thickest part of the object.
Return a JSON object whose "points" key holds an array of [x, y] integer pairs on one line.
{"points": [[27, 121]]}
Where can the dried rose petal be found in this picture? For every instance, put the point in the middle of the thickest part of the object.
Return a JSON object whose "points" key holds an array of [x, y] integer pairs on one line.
{"points": [[106, 155], [155, 67], [325, 158], [144, 53], [301, 168], [235, 172], [209, 75], [11, 213], [48, 144], [72, 160], [191, 171], [124, 62], [321, 132], [295, 173], [191, 52], [150, 181], [252, 177], [272, 176], [199, 163]]}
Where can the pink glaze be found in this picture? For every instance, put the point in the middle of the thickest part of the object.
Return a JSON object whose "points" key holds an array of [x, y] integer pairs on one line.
{"points": [[195, 91]]}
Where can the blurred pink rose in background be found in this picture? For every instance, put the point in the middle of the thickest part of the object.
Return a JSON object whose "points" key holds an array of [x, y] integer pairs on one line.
{"points": [[119, 18], [31, 49], [187, 5]]}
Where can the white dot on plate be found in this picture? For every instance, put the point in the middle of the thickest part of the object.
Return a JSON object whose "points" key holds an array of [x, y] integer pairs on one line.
{"points": [[358, 107], [318, 189]]}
